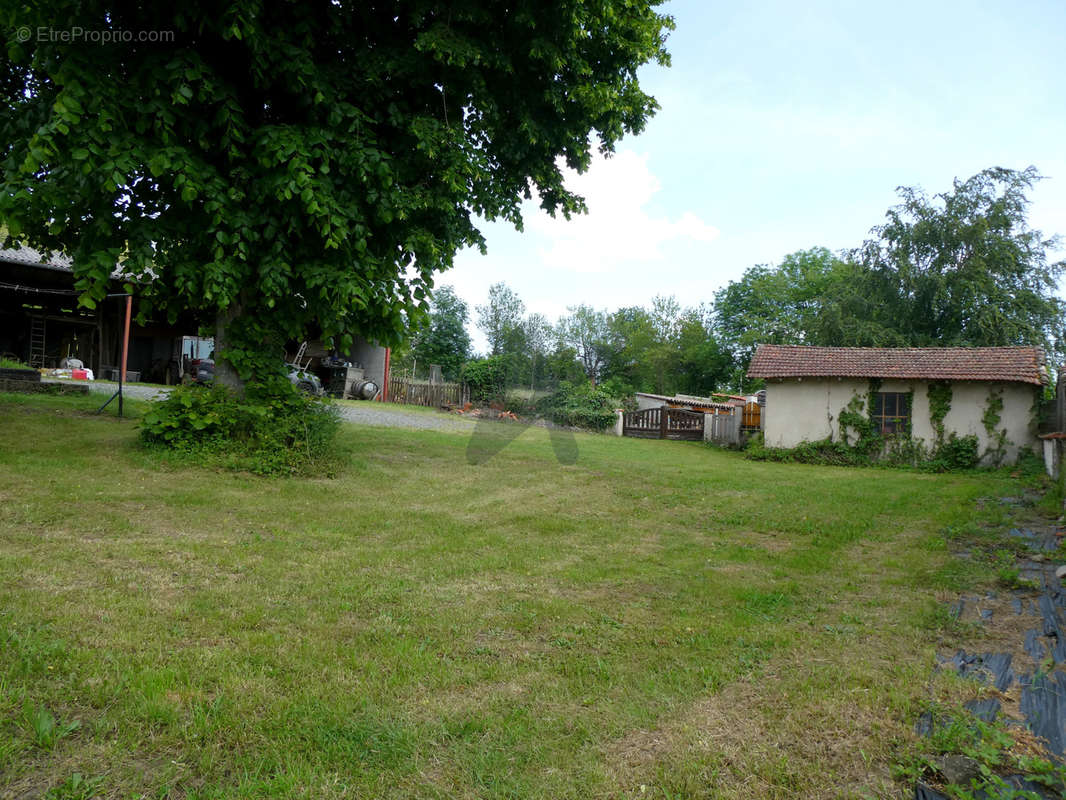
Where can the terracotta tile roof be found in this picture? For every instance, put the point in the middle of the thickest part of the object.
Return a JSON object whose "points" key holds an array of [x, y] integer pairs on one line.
{"points": [[1019, 364]]}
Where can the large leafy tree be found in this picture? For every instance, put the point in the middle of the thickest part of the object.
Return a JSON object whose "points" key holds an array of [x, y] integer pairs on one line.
{"points": [[444, 340], [500, 319], [285, 166], [961, 268], [538, 335], [630, 337], [964, 267], [703, 365], [781, 304], [585, 330]]}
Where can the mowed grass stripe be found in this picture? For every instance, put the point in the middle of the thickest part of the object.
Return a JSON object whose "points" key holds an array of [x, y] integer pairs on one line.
{"points": [[421, 626]]}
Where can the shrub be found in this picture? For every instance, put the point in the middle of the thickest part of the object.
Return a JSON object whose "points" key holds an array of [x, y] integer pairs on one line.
{"points": [[517, 404], [956, 452], [269, 433], [486, 377], [621, 390], [581, 405]]}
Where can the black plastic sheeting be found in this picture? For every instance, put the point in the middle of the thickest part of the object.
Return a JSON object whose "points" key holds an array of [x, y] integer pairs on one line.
{"points": [[1045, 541], [984, 710], [1043, 693], [995, 665], [1043, 703], [923, 791]]}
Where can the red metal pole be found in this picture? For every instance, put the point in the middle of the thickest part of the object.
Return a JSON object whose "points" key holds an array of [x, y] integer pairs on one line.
{"points": [[125, 352], [126, 335], [385, 388]]}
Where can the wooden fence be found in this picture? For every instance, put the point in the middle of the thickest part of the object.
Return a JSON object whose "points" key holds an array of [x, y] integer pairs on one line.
{"points": [[663, 423], [423, 393], [725, 428]]}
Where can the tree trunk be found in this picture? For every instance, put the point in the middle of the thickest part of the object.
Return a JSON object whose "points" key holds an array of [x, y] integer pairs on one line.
{"points": [[225, 374]]}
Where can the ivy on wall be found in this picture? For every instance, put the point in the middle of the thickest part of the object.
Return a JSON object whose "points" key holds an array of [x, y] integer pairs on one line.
{"points": [[939, 405], [854, 420], [862, 443], [997, 439]]}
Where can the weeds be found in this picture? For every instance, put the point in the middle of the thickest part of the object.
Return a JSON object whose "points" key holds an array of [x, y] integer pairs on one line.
{"points": [[45, 730], [76, 787], [995, 755]]}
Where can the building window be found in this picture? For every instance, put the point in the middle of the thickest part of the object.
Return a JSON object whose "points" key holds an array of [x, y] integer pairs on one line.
{"points": [[892, 412]]}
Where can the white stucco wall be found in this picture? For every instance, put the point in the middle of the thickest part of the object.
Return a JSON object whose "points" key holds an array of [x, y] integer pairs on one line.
{"points": [[808, 409]]}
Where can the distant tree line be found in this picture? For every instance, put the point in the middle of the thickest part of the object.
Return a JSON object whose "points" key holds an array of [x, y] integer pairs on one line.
{"points": [[961, 268]]}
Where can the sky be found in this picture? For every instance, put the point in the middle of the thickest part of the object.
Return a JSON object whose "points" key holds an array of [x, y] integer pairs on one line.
{"points": [[785, 126]]}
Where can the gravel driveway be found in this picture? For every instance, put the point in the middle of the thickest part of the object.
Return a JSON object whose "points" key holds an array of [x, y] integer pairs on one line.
{"points": [[374, 414], [364, 414], [138, 392]]}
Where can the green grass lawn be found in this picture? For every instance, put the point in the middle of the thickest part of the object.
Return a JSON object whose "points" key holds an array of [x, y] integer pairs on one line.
{"points": [[662, 619]]}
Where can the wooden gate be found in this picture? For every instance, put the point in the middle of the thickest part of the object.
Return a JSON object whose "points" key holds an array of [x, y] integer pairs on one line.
{"points": [[663, 423], [752, 420]]}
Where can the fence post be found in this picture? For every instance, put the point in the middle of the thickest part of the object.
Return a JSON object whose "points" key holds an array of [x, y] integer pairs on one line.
{"points": [[1060, 402], [619, 421], [708, 426]]}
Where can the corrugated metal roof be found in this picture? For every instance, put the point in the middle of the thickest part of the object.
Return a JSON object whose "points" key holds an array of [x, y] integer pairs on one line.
{"points": [[687, 400], [56, 261], [27, 255], [1014, 364]]}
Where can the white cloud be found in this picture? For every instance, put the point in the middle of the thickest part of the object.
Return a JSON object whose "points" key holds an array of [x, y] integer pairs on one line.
{"points": [[619, 228]]}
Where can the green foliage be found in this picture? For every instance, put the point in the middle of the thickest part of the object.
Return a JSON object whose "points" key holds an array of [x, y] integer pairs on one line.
{"points": [[76, 787], [854, 420], [964, 268], [991, 746], [580, 405], [955, 453], [500, 319], [561, 365], [939, 405], [823, 451], [797, 302], [862, 444], [10, 363], [961, 269], [665, 349], [444, 340], [276, 170], [283, 432], [990, 419], [487, 377], [44, 728], [617, 388], [585, 330]]}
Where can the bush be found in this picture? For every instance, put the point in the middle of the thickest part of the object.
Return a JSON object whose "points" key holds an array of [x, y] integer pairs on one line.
{"points": [[581, 405], [824, 451], [517, 404], [957, 452], [486, 377], [621, 390], [280, 432]]}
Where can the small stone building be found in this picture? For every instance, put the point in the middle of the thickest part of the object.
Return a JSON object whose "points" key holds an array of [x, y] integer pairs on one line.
{"points": [[992, 393]]}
